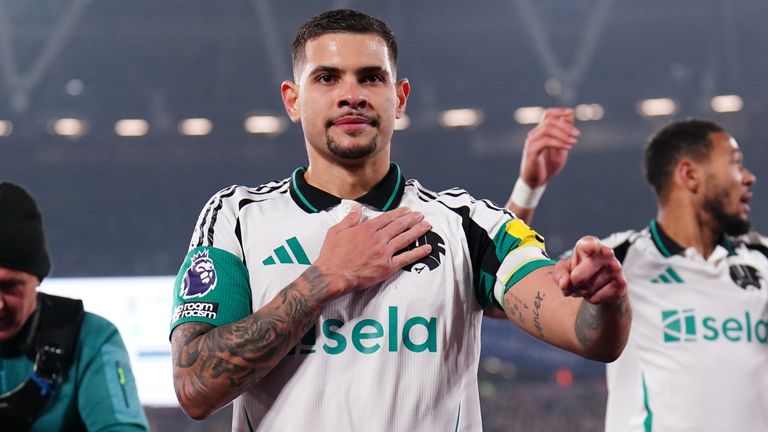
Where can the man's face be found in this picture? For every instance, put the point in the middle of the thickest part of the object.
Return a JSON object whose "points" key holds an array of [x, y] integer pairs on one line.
{"points": [[18, 299], [346, 97], [726, 188]]}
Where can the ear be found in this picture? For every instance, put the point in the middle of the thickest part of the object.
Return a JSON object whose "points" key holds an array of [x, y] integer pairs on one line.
{"points": [[689, 175], [403, 89], [290, 93]]}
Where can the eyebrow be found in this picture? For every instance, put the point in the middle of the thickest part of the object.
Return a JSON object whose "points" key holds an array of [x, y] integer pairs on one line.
{"points": [[325, 69], [366, 70], [369, 70]]}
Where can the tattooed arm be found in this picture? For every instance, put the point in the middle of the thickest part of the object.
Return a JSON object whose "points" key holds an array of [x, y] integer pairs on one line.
{"points": [[545, 153], [214, 365], [579, 305]]}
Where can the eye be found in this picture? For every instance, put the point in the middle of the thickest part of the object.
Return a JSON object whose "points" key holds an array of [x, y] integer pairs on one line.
{"points": [[326, 78], [10, 286], [372, 78]]}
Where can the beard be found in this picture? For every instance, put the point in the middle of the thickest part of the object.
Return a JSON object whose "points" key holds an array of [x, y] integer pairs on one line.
{"points": [[353, 152], [729, 223]]}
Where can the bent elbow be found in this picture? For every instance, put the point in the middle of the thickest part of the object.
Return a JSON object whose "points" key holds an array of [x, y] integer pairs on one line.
{"points": [[610, 356], [196, 411], [196, 406], [608, 352]]}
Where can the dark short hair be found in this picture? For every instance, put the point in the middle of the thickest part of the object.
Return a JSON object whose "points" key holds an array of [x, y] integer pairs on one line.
{"points": [[689, 138], [340, 21]]}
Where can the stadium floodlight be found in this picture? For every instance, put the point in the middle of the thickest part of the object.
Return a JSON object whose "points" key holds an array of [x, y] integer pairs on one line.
{"points": [[529, 115], [657, 107], [264, 124], [589, 112], [402, 123], [131, 127], [464, 117], [67, 127], [198, 126], [727, 103], [6, 128]]}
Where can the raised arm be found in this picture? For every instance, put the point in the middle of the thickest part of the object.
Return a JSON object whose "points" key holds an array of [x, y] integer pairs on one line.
{"points": [[579, 305], [544, 155], [213, 365]]}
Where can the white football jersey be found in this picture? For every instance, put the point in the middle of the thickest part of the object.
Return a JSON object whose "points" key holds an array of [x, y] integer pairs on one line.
{"points": [[399, 356], [697, 355]]}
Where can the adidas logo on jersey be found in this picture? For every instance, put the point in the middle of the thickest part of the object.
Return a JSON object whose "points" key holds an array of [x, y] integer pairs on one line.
{"points": [[281, 255], [683, 326], [669, 276]]}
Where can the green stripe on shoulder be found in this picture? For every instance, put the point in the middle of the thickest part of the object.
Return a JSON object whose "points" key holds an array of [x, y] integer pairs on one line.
{"points": [[504, 241], [212, 286], [525, 269]]}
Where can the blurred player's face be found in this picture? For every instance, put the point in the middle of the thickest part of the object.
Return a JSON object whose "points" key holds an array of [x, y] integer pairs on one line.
{"points": [[726, 187], [18, 299], [346, 96]]}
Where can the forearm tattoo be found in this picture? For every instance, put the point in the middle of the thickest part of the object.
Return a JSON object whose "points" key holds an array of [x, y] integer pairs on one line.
{"points": [[591, 318], [243, 352], [588, 319]]}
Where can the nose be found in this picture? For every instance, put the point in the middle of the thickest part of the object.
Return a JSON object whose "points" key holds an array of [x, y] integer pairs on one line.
{"points": [[748, 178], [352, 95]]}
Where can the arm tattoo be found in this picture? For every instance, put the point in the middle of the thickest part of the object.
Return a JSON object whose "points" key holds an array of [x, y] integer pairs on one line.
{"points": [[588, 319], [537, 313], [243, 352], [515, 307]]}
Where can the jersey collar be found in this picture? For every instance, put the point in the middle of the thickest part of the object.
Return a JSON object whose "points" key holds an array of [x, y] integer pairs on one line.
{"points": [[668, 247], [384, 196]]}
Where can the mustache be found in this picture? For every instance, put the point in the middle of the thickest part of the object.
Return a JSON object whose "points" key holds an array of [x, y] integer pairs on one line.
{"points": [[372, 120]]}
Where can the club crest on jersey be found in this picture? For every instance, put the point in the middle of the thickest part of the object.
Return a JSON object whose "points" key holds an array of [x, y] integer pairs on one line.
{"points": [[745, 276], [431, 261], [200, 278]]}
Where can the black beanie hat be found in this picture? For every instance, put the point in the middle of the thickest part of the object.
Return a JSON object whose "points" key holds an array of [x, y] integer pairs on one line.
{"points": [[22, 242]]}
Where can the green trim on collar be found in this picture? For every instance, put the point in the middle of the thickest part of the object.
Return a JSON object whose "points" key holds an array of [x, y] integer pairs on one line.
{"points": [[395, 191], [668, 247], [385, 195], [657, 239], [298, 192]]}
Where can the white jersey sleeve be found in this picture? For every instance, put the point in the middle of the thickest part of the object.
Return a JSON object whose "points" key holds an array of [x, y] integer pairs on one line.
{"points": [[502, 248], [212, 284]]}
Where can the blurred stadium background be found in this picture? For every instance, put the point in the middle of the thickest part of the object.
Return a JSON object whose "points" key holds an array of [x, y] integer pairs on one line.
{"points": [[123, 118]]}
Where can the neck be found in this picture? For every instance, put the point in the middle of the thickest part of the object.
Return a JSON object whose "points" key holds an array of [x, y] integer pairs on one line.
{"points": [[347, 181], [687, 226]]}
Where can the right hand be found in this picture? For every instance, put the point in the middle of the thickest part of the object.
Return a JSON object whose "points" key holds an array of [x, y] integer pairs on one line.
{"points": [[591, 272], [547, 146], [361, 254]]}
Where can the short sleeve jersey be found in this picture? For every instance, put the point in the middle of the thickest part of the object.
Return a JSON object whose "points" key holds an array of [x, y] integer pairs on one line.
{"points": [[401, 355], [697, 355]]}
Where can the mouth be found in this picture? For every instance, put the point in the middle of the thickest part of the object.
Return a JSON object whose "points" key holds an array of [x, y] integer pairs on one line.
{"points": [[744, 200], [352, 123]]}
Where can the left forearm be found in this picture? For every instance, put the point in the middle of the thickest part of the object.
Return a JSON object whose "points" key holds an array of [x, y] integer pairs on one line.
{"points": [[602, 329]]}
